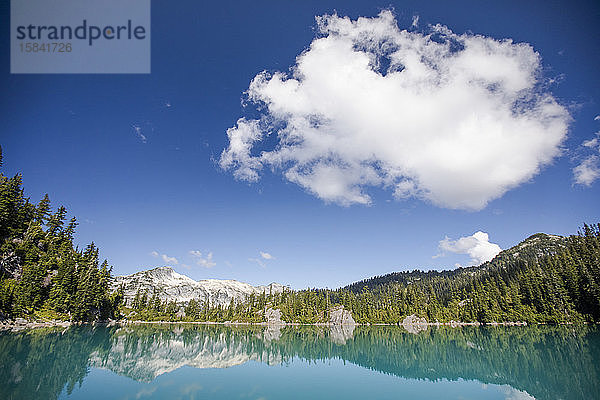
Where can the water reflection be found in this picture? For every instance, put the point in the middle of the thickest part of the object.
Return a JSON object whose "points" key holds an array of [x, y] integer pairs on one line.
{"points": [[545, 362]]}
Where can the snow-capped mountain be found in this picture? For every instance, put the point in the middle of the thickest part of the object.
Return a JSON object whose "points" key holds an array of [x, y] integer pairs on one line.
{"points": [[172, 286]]}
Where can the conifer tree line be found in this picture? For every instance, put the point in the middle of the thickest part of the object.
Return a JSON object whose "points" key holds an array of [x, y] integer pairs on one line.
{"points": [[42, 273], [546, 279]]}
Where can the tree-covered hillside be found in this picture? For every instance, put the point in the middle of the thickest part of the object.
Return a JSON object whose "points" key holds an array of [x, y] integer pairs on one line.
{"points": [[42, 273], [545, 278], [533, 247]]}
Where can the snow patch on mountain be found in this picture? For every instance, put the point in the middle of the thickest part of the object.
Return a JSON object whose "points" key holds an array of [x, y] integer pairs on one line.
{"points": [[172, 286]]}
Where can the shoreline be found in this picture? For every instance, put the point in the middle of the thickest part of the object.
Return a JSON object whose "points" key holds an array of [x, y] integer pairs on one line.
{"points": [[21, 324]]}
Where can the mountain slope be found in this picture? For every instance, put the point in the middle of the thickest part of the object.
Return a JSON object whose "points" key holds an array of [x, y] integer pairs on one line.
{"points": [[545, 278], [530, 249], [172, 286]]}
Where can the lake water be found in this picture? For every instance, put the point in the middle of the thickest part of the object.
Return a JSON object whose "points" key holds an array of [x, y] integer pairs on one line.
{"points": [[219, 362]]}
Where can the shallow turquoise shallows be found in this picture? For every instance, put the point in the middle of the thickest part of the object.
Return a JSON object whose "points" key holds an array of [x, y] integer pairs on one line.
{"points": [[381, 362]]}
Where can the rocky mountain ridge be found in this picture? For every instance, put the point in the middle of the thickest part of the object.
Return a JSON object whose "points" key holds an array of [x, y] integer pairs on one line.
{"points": [[172, 286]]}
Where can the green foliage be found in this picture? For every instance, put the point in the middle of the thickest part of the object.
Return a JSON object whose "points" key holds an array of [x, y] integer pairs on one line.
{"points": [[545, 279], [40, 268]]}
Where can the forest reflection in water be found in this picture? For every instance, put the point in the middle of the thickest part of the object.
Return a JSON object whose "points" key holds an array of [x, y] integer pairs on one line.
{"points": [[547, 362]]}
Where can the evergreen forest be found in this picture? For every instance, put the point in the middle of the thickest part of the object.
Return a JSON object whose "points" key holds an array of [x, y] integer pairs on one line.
{"points": [[42, 273], [544, 279]]}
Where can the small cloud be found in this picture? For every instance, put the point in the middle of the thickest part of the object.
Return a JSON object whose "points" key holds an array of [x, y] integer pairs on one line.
{"points": [[477, 246], [169, 260], [415, 21], [592, 143], [587, 171], [165, 258], [258, 261], [168, 104], [138, 131], [206, 262], [262, 260]]}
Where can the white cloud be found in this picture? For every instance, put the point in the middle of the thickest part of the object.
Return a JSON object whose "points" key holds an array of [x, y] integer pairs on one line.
{"points": [[477, 246], [139, 134], [456, 120], [592, 143], [166, 259], [587, 171], [415, 21], [169, 260], [206, 262], [260, 262]]}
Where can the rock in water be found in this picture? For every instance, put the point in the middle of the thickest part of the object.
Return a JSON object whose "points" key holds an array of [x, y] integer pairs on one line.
{"points": [[339, 316], [414, 324]]}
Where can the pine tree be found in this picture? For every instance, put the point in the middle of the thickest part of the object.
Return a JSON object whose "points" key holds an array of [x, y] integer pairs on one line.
{"points": [[42, 211]]}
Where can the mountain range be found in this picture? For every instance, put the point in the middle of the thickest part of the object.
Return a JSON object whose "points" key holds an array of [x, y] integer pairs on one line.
{"points": [[172, 286]]}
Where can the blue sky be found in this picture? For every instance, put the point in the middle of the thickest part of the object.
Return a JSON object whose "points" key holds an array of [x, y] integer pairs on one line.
{"points": [[138, 158]]}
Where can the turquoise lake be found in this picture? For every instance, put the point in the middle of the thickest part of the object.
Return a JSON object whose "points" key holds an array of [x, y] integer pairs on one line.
{"points": [[378, 362]]}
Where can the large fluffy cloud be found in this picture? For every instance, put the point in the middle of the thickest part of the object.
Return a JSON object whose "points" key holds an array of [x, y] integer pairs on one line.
{"points": [[453, 119], [477, 246]]}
